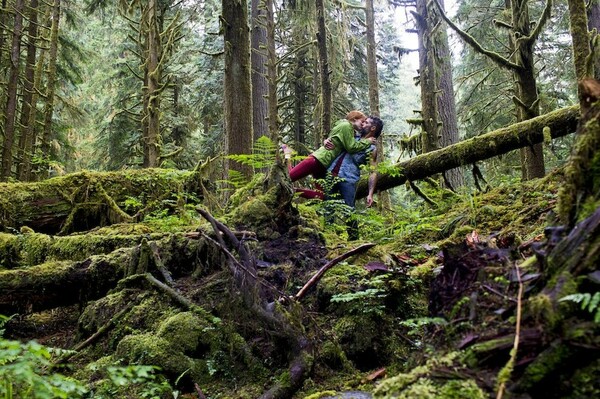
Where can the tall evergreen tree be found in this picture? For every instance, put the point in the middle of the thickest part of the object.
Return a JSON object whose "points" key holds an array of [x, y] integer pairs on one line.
{"points": [[11, 92], [28, 105], [237, 93], [258, 56]]}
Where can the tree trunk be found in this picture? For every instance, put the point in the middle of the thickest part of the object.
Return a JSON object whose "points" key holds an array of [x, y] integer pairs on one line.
{"points": [[237, 84], [301, 91], [11, 92], [372, 59], [2, 30], [273, 116], [326, 101], [581, 40], [28, 106], [445, 100], [593, 16], [427, 77], [153, 82], [31, 133], [51, 81], [260, 86], [532, 157], [64, 283], [498, 142]]}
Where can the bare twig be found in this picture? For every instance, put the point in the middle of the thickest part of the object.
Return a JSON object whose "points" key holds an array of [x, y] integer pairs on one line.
{"points": [[507, 370], [319, 274]]}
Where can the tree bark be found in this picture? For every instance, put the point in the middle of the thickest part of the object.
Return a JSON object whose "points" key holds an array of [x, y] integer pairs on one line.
{"points": [[498, 142], [527, 102], [427, 77], [28, 106], [151, 115], [51, 80], [581, 40], [593, 16], [372, 59], [258, 56], [273, 116], [237, 83], [11, 92], [326, 100], [445, 101]]}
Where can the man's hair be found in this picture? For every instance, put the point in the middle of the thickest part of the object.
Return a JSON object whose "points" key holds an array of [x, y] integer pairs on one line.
{"points": [[378, 123], [354, 115]]}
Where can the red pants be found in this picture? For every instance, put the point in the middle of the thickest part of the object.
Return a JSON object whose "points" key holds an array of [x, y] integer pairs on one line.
{"points": [[309, 166]]}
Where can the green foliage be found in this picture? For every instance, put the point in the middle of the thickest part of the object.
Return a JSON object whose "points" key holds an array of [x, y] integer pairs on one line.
{"points": [[263, 154], [26, 372], [587, 301], [132, 381], [368, 300]]}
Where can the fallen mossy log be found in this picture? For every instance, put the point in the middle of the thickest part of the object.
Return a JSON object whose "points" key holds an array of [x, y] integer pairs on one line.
{"points": [[85, 200], [558, 123], [62, 283], [30, 249]]}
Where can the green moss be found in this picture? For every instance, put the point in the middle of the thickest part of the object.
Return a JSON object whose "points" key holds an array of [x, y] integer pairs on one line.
{"points": [[421, 384], [332, 355], [542, 310], [148, 349], [319, 395], [544, 366], [188, 332]]}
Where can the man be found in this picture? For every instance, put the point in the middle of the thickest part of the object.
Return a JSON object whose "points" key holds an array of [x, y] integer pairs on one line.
{"points": [[346, 167]]}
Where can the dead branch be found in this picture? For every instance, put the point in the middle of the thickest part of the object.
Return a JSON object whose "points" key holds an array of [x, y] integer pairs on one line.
{"points": [[319, 274]]}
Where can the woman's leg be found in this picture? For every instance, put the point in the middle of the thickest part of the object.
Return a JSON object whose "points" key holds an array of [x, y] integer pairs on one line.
{"points": [[308, 166]]}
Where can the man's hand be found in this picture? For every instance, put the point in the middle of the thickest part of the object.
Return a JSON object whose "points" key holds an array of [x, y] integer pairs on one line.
{"points": [[369, 200], [328, 144]]}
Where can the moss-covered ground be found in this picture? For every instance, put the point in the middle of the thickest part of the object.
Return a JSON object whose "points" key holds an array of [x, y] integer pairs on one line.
{"points": [[429, 312]]}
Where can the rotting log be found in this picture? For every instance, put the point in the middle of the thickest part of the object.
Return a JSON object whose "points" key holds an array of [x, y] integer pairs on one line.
{"points": [[63, 283], [558, 123], [85, 200]]}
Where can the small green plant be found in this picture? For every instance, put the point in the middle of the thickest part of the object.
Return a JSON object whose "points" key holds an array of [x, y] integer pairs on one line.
{"points": [[263, 154], [587, 301], [26, 372], [369, 300]]}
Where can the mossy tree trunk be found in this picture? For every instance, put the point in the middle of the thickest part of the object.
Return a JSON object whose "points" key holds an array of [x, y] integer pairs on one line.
{"points": [[581, 40], [522, 38], [30, 96], [258, 57], [558, 123], [427, 77], [10, 113], [51, 79], [326, 100], [237, 83]]}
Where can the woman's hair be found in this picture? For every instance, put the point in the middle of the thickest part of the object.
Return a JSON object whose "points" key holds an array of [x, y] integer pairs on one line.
{"points": [[354, 115]]}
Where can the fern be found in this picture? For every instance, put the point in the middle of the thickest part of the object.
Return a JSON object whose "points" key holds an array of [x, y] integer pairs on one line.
{"points": [[263, 154], [588, 301]]}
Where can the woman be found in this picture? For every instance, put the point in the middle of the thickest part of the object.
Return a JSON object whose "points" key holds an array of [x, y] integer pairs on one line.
{"points": [[342, 137]]}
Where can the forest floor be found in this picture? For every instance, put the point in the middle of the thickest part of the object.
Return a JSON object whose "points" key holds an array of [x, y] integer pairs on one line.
{"points": [[432, 310]]}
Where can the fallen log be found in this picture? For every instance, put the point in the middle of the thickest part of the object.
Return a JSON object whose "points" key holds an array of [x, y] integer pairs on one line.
{"points": [[559, 123], [63, 283], [85, 200]]}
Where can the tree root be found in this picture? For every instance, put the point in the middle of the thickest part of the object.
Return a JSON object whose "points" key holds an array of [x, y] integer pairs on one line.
{"points": [[288, 324]]}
